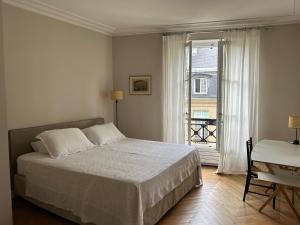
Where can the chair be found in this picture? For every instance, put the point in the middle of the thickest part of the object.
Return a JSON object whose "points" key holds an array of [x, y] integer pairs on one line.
{"points": [[251, 174], [283, 180]]}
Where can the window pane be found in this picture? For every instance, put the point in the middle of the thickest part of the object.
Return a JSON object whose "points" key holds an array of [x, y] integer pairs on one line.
{"points": [[194, 51], [203, 86], [202, 114], [197, 85]]}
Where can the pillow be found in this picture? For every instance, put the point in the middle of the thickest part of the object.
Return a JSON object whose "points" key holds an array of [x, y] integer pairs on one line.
{"points": [[103, 134], [64, 141], [38, 146]]}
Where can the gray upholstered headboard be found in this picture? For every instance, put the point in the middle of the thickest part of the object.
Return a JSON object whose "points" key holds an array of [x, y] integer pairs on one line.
{"points": [[20, 139]]}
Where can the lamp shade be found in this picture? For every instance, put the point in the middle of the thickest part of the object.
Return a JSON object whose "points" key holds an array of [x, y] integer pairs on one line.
{"points": [[117, 95], [294, 121]]}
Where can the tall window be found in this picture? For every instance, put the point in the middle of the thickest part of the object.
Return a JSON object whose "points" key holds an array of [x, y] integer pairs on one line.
{"points": [[200, 86]]}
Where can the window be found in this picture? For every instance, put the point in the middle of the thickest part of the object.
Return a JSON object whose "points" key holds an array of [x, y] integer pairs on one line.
{"points": [[200, 86], [194, 51], [202, 114]]}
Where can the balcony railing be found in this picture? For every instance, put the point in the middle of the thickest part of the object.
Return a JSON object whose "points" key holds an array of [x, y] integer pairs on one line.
{"points": [[203, 131]]}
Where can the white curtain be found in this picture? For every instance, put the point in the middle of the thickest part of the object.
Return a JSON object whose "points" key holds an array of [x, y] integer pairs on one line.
{"points": [[173, 88], [239, 98]]}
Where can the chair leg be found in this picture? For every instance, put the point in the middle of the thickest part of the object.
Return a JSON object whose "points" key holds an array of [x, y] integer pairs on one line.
{"points": [[291, 204], [248, 178], [293, 196], [274, 194], [274, 199], [297, 194]]}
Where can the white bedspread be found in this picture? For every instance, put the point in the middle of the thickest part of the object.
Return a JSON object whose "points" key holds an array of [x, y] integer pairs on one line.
{"points": [[110, 185]]}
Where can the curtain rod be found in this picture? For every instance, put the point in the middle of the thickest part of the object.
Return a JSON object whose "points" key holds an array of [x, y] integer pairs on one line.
{"points": [[217, 30]]}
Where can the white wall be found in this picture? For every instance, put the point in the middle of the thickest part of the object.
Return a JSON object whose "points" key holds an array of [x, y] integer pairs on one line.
{"points": [[55, 71], [139, 116], [280, 81], [5, 195]]}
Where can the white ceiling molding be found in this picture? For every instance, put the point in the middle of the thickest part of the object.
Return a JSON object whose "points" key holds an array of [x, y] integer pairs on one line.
{"points": [[138, 30], [63, 15], [67, 16], [211, 26], [233, 24]]}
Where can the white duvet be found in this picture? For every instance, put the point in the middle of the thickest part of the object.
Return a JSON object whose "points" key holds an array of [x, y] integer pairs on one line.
{"points": [[109, 185]]}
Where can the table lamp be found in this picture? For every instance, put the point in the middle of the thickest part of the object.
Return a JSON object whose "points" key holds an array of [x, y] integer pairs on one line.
{"points": [[117, 95], [294, 122]]}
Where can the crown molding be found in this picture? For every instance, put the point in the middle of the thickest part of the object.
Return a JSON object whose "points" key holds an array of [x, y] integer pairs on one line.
{"points": [[69, 17], [211, 26], [60, 14], [137, 31]]}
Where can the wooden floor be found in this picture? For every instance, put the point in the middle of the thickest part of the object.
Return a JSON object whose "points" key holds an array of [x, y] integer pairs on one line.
{"points": [[218, 202]]}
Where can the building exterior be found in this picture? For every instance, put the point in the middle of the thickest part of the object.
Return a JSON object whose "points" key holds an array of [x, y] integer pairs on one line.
{"points": [[204, 82], [204, 86]]}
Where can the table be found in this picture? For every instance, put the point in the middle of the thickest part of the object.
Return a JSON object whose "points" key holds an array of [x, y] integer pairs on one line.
{"points": [[277, 152]]}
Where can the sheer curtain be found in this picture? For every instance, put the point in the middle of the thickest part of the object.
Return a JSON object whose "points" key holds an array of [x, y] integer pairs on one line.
{"points": [[173, 88], [240, 98]]}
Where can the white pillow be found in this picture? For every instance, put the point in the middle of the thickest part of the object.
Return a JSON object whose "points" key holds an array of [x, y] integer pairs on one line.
{"points": [[38, 146], [64, 141], [103, 134]]}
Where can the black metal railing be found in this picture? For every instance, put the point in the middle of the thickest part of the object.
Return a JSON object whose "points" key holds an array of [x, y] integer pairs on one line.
{"points": [[203, 130]]}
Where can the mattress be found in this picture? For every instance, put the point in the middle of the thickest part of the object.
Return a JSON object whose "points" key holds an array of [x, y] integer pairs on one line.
{"points": [[112, 184]]}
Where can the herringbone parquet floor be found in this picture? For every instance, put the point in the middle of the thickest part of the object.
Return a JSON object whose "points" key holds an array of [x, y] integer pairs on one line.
{"points": [[218, 202]]}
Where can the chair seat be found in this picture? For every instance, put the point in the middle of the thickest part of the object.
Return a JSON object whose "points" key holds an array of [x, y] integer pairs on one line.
{"points": [[253, 174], [282, 177]]}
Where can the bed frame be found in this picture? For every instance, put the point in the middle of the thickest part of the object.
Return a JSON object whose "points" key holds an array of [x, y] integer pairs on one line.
{"points": [[20, 143]]}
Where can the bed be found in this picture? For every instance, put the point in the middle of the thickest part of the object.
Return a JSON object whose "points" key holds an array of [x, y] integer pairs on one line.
{"points": [[131, 182]]}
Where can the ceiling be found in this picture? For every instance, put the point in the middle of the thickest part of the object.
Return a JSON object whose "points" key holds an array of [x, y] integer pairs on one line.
{"points": [[122, 17]]}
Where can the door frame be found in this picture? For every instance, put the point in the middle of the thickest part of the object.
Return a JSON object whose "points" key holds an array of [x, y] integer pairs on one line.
{"points": [[219, 114], [220, 92], [189, 46]]}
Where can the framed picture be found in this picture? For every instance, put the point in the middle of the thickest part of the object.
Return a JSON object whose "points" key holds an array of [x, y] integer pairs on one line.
{"points": [[140, 85]]}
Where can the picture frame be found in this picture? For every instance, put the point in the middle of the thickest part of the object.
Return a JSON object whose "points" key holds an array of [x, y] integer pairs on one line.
{"points": [[140, 85]]}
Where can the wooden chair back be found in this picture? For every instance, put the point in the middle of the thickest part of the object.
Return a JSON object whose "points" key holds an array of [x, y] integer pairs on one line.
{"points": [[249, 147]]}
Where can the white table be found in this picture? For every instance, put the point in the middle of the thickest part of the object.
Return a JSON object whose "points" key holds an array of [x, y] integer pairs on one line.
{"points": [[277, 153]]}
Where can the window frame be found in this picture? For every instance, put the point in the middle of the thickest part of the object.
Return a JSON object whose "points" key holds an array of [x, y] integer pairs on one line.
{"points": [[194, 53], [201, 92]]}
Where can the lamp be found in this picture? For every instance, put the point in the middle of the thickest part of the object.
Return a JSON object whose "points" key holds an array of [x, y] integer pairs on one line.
{"points": [[294, 122], [117, 95]]}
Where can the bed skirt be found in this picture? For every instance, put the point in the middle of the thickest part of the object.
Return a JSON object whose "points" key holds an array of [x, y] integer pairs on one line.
{"points": [[151, 215]]}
